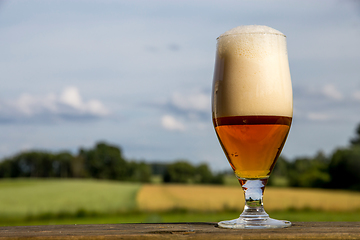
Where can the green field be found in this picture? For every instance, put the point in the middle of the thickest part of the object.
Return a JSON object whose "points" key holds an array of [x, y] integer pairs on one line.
{"points": [[34, 198], [38, 202]]}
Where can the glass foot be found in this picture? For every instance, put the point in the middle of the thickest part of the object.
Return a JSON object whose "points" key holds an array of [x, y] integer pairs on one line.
{"points": [[254, 223]]}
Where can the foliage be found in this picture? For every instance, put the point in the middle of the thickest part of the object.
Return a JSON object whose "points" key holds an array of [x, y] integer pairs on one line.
{"points": [[104, 161], [139, 172], [179, 172], [280, 171], [356, 139], [345, 168], [338, 171], [309, 172], [184, 172], [37, 164]]}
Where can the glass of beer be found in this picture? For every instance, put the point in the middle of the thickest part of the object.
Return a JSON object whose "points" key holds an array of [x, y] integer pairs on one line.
{"points": [[252, 111]]}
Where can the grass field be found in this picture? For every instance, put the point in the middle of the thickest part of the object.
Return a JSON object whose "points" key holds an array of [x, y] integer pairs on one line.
{"points": [[21, 198], [137, 217], [35, 201]]}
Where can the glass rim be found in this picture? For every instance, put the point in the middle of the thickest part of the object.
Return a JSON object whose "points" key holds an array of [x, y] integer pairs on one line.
{"points": [[250, 33]]}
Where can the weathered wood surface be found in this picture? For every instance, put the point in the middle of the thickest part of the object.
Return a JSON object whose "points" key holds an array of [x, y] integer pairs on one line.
{"points": [[299, 230]]}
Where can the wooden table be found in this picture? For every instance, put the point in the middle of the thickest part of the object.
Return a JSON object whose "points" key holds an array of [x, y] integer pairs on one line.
{"points": [[299, 230]]}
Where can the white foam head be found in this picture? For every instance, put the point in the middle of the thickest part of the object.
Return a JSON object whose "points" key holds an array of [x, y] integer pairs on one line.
{"points": [[252, 75]]}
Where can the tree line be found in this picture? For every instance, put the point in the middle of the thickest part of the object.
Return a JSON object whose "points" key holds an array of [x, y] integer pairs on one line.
{"points": [[104, 161], [340, 170]]}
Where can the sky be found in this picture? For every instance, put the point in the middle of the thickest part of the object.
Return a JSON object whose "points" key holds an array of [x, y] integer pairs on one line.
{"points": [[138, 74]]}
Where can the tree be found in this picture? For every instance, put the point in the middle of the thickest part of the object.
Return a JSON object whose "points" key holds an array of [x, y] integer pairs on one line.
{"points": [[7, 170], [158, 168], [203, 174], [37, 164], [345, 167], [105, 162], [356, 139], [184, 172], [34, 164], [139, 172], [279, 173], [179, 172], [309, 172], [62, 165], [78, 167]]}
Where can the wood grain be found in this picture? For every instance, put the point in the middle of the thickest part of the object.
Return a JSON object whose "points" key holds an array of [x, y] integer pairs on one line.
{"points": [[299, 230]]}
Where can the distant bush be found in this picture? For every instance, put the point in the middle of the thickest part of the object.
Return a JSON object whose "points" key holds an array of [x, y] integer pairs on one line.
{"points": [[37, 164], [184, 172], [344, 168], [104, 161], [340, 170]]}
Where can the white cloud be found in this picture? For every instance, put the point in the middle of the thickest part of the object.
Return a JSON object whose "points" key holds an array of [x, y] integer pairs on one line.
{"points": [[193, 108], [68, 105], [170, 123], [191, 102], [97, 108], [330, 91], [318, 116], [356, 95], [71, 97]]}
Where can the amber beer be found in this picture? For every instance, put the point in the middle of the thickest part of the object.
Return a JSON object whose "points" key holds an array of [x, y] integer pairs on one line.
{"points": [[252, 144], [252, 98]]}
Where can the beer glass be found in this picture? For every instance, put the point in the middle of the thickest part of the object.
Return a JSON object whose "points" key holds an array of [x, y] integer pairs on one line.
{"points": [[252, 112]]}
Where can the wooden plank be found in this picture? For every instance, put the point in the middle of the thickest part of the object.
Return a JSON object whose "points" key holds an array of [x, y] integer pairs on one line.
{"points": [[299, 230]]}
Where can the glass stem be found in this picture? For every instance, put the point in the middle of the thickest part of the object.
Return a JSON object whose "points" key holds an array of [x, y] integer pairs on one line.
{"points": [[253, 191]]}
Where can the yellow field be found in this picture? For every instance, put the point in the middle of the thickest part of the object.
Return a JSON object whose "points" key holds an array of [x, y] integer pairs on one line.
{"points": [[216, 198], [192, 197]]}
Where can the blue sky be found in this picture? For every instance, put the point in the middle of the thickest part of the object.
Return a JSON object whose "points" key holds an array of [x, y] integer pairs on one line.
{"points": [[138, 74]]}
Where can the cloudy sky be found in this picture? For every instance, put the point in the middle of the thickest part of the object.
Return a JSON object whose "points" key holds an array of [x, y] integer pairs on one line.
{"points": [[138, 74]]}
